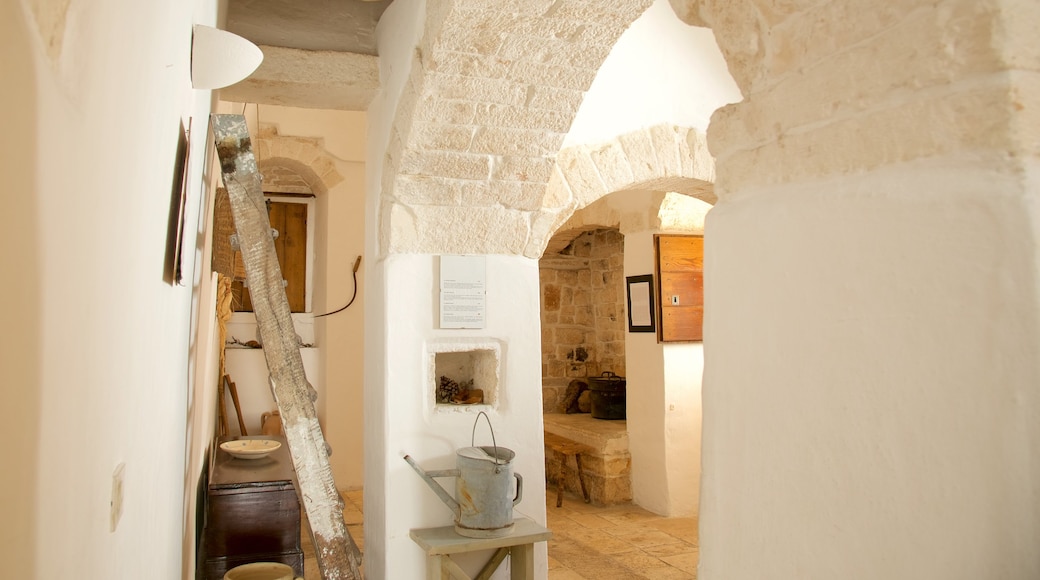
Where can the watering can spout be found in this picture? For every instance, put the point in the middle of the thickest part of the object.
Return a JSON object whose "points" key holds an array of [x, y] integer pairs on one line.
{"points": [[436, 487]]}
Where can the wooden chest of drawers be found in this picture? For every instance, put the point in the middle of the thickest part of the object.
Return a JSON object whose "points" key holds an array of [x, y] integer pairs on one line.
{"points": [[252, 513]]}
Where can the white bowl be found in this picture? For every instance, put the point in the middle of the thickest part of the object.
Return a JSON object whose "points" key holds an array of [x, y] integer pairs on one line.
{"points": [[250, 448]]}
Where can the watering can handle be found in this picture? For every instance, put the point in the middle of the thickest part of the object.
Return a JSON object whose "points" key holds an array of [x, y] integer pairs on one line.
{"points": [[519, 488], [472, 435]]}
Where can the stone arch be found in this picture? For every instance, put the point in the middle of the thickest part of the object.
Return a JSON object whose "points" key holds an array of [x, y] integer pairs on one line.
{"points": [[493, 90], [658, 159], [303, 156]]}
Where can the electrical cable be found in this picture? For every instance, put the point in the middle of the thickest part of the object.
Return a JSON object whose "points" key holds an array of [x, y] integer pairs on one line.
{"points": [[357, 264]]}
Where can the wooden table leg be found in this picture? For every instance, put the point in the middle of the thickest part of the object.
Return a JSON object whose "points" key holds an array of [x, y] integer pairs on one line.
{"points": [[435, 568], [581, 477], [559, 480], [521, 562], [492, 565]]}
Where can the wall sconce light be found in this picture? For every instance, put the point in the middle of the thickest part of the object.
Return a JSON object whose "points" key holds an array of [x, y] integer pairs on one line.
{"points": [[220, 58]]}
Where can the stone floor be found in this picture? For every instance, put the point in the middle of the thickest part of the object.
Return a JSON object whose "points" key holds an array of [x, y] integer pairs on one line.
{"points": [[621, 542], [353, 514]]}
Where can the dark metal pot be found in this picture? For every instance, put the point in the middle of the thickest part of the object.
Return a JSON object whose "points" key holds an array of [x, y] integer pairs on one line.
{"points": [[607, 396]]}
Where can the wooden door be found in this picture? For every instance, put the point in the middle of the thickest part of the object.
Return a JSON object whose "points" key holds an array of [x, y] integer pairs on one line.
{"points": [[290, 220]]}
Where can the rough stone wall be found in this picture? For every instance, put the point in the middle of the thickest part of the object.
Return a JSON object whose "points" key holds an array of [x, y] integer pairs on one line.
{"points": [[492, 92], [583, 312]]}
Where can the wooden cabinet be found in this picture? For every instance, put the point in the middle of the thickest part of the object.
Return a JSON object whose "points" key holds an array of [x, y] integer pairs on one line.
{"points": [[680, 272], [252, 512]]}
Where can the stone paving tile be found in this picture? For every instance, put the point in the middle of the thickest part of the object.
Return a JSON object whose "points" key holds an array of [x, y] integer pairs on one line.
{"points": [[648, 539], [671, 549], [640, 560], [564, 574], [684, 562], [600, 541]]}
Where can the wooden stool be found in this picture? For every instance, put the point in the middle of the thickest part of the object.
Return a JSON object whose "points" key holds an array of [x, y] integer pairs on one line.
{"points": [[440, 543], [565, 447]]}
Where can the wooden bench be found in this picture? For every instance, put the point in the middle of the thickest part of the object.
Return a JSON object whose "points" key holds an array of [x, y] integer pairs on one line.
{"points": [[566, 448]]}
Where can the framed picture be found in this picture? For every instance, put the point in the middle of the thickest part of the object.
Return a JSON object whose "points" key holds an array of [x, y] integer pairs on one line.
{"points": [[640, 293]]}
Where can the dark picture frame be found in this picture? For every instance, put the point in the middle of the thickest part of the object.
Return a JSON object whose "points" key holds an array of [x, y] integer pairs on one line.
{"points": [[639, 295]]}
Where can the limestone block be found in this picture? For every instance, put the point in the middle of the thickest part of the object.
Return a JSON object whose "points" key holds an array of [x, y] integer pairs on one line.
{"points": [[402, 225], [524, 169], [306, 78], [576, 371], [542, 226], [557, 191], [966, 120], [616, 15], [613, 166], [457, 35], [421, 189], [511, 194], [582, 175], [557, 369], [504, 115], [551, 397], [481, 90], [470, 65], [516, 141], [569, 278], [459, 230], [666, 144], [555, 98], [884, 72], [444, 164], [737, 28], [558, 76], [689, 12], [570, 336], [442, 137], [1019, 47], [639, 150], [551, 297], [442, 111]]}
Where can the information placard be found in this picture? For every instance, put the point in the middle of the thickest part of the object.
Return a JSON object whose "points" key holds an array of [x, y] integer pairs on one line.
{"points": [[463, 292]]}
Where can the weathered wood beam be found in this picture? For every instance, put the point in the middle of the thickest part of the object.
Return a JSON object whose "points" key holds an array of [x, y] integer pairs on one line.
{"points": [[338, 554]]}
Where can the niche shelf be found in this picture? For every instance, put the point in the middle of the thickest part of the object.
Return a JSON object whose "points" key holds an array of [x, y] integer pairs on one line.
{"points": [[471, 363]]}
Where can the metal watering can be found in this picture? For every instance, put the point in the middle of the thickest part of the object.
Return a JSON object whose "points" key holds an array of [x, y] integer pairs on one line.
{"points": [[483, 482]]}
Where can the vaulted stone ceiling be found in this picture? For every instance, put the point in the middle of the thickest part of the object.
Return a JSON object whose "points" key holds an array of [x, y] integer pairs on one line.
{"points": [[317, 53]]}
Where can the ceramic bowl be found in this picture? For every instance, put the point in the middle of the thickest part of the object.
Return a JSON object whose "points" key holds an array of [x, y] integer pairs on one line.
{"points": [[250, 448], [260, 571]]}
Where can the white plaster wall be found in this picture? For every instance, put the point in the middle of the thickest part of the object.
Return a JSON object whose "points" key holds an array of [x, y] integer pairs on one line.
{"points": [[660, 71], [870, 390], [248, 369], [114, 373], [432, 438], [398, 34], [663, 407]]}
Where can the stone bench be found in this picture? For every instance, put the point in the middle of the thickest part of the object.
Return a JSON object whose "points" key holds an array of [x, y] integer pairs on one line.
{"points": [[606, 463]]}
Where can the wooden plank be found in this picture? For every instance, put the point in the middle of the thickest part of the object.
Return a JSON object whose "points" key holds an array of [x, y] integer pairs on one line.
{"points": [[444, 540], [337, 553], [294, 254]]}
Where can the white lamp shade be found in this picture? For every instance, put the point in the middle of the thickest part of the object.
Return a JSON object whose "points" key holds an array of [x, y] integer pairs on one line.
{"points": [[220, 58]]}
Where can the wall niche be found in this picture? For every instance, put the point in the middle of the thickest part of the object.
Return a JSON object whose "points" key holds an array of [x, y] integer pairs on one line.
{"points": [[464, 374]]}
